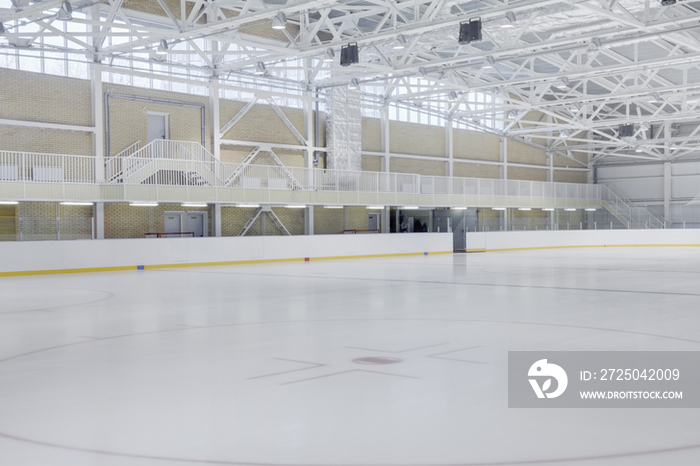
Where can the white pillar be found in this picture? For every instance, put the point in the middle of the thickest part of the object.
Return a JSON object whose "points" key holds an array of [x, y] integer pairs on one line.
{"points": [[98, 213], [98, 143], [216, 213], [384, 223], [215, 123], [667, 193], [503, 147], [346, 218], [449, 148], [309, 220]]}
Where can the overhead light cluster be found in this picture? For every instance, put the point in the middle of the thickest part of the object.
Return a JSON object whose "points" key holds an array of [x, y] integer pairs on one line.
{"points": [[400, 42], [510, 24], [349, 54], [260, 69], [280, 21], [470, 31], [65, 13]]}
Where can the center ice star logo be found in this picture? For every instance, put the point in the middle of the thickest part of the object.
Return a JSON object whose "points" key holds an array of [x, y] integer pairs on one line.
{"points": [[542, 369]]}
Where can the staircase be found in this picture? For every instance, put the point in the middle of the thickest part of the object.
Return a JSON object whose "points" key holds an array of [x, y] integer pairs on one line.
{"points": [[164, 161], [631, 216]]}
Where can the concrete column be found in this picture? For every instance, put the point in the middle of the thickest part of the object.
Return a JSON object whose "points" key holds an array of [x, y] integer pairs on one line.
{"points": [[384, 223], [98, 213], [98, 138], [216, 213], [667, 193], [309, 220]]}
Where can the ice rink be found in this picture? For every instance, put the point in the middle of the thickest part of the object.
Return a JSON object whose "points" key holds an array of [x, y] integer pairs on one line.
{"points": [[397, 361]]}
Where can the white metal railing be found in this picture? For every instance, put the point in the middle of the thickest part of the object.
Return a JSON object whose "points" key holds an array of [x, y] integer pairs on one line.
{"points": [[113, 165], [46, 168], [182, 163]]}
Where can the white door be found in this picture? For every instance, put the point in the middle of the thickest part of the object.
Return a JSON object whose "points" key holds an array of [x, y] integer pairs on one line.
{"points": [[373, 222], [173, 222], [157, 126], [196, 223]]}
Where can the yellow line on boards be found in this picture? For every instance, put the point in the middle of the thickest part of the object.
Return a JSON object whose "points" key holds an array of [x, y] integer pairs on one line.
{"points": [[209, 264], [596, 246]]}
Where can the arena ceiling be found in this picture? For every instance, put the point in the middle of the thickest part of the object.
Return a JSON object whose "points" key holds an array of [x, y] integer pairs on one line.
{"points": [[564, 75]]}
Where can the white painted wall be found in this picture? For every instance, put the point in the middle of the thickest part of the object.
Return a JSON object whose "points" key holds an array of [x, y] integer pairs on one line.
{"points": [[491, 241], [53, 255]]}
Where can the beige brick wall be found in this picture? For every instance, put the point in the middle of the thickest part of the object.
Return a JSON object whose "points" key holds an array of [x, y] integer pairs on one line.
{"points": [[328, 221], [372, 134], [261, 123], [233, 219], [423, 167], [475, 145], [125, 221], [371, 163], [525, 173], [415, 139], [8, 223], [522, 153], [476, 170], [567, 176]]}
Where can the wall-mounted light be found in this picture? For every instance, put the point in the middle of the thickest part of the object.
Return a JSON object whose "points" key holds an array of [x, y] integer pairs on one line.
{"points": [[458, 208], [76, 203], [329, 56], [193, 205], [296, 206], [410, 207], [591, 210], [143, 204], [548, 209], [510, 18], [333, 206], [375, 207], [280, 21], [524, 208], [260, 69], [498, 208], [65, 13], [9, 202], [400, 42], [248, 206], [162, 47], [354, 84], [570, 210]]}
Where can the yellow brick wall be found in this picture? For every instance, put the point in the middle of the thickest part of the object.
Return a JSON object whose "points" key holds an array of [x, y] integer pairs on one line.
{"points": [[415, 139], [125, 221], [372, 134], [8, 223], [423, 167], [48, 141], [359, 220], [261, 123], [566, 176], [522, 153], [476, 170], [525, 173], [475, 145], [233, 219], [328, 221], [371, 163]]}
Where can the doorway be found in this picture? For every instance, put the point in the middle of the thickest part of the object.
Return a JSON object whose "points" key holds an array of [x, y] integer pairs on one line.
{"points": [[157, 126], [373, 223], [173, 222], [197, 223]]}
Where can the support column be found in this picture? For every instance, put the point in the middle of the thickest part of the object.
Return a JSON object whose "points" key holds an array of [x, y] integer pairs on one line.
{"points": [[346, 218], [384, 133], [449, 148], [215, 123], [98, 213], [98, 142], [309, 220], [216, 213], [503, 147], [667, 194], [384, 223]]}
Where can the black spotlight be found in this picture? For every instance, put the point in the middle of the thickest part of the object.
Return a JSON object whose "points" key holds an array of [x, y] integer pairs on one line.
{"points": [[668, 2], [470, 31], [626, 131], [349, 54]]}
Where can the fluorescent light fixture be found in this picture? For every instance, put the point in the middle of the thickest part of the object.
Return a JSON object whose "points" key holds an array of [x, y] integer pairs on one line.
{"points": [[65, 13], [143, 204], [193, 205], [510, 16], [498, 208], [548, 209], [409, 207], [570, 210], [458, 208], [76, 203], [329, 56], [249, 206], [260, 69], [638, 149], [354, 84], [375, 207], [280, 21], [294, 206], [9, 202], [162, 47], [655, 97], [400, 42], [590, 210], [333, 206], [524, 208]]}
